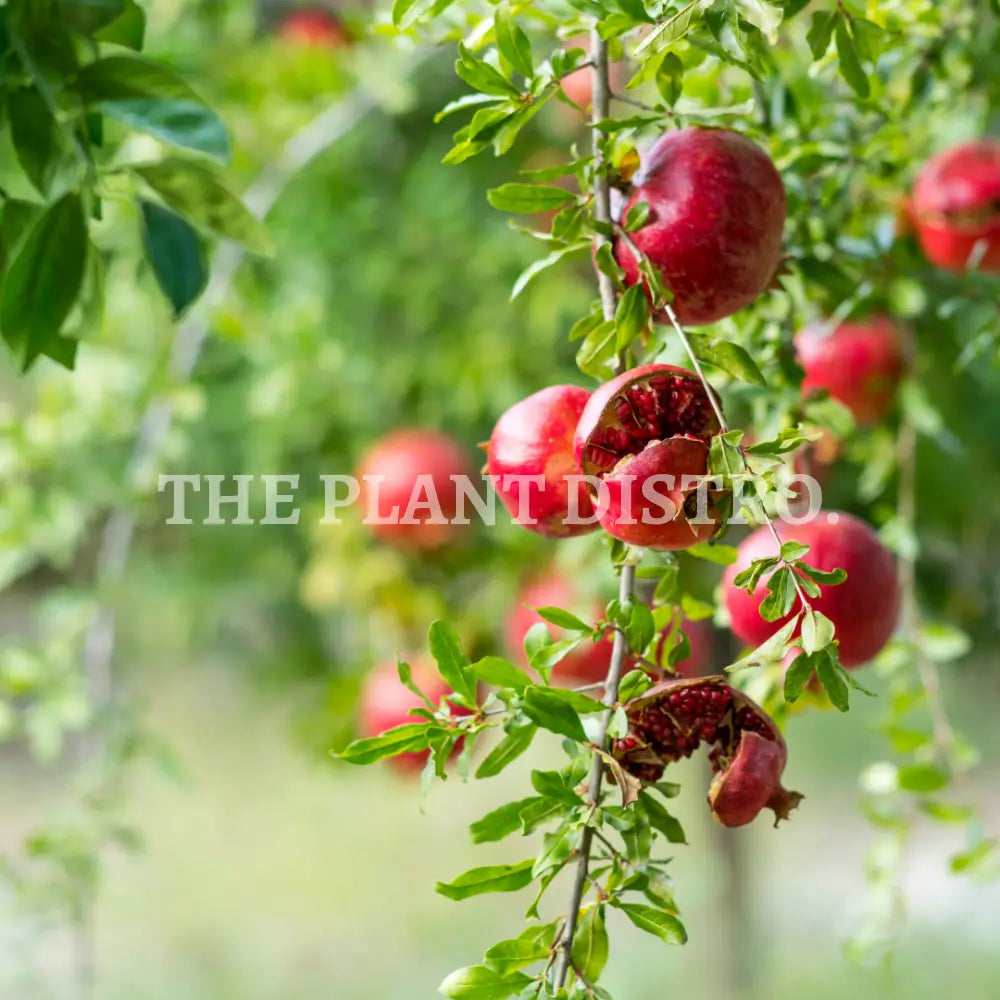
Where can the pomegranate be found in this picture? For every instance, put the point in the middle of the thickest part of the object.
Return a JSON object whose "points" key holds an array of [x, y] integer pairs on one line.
{"points": [[642, 434], [412, 469], [589, 662], [386, 703], [859, 364], [578, 85], [313, 26], [748, 752], [716, 215], [956, 206], [863, 608], [535, 438]]}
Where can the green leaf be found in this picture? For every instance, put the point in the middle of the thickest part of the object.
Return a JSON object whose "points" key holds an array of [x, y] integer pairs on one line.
{"points": [[638, 623], [44, 279], [729, 357], [500, 673], [502, 821], [653, 921], [832, 676], [821, 31], [763, 15], [543, 264], [407, 738], [131, 78], [546, 709], [564, 619], [748, 578], [197, 193], [87, 16], [36, 136], [850, 64], [515, 953], [922, 778], [771, 649], [482, 76], [661, 819], [781, 595], [188, 124], [974, 857], [552, 785], [670, 78], [544, 656], [714, 552], [634, 684], [797, 676], [477, 982], [491, 878], [827, 578], [817, 631], [631, 316], [528, 198], [556, 849], [514, 743], [512, 43], [129, 29], [579, 702], [590, 945], [636, 216], [791, 551], [175, 254], [452, 663], [673, 29]]}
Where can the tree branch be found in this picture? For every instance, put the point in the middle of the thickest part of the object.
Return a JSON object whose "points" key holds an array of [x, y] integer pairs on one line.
{"points": [[602, 213]]}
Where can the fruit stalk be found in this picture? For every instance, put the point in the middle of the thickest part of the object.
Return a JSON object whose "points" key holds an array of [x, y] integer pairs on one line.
{"points": [[620, 650]]}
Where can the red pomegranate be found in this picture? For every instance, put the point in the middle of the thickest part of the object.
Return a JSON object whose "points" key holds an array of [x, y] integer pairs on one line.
{"points": [[716, 215], [386, 703], [412, 470], [589, 662], [748, 754], [863, 608], [956, 206], [641, 435], [535, 438], [578, 85], [315, 27], [858, 363]]}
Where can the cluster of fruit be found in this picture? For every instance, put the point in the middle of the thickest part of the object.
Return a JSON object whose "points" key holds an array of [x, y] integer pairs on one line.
{"points": [[715, 211]]}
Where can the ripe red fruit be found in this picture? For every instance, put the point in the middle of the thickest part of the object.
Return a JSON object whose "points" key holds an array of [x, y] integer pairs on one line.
{"points": [[589, 662], [386, 703], [748, 752], [653, 421], [863, 608], [859, 364], [535, 438], [956, 205], [418, 467], [578, 86], [716, 215], [315, 26]]}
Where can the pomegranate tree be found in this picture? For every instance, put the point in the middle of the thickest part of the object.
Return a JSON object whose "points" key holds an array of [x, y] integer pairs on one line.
{"points": [[645, 436], [535, 438], [956, 207], [716, 216], [858, 363], [408, 485], [863, 608]]}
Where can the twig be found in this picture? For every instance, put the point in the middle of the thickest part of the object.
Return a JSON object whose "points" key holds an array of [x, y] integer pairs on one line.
{"points": [[602, 213]]}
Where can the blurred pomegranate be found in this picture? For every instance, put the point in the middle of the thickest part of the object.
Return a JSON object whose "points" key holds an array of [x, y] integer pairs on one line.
{"points": [[407, 467], [313, 26]]}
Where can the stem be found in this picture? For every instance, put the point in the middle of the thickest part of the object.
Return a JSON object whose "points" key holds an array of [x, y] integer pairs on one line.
{"points": [[601, 99]]}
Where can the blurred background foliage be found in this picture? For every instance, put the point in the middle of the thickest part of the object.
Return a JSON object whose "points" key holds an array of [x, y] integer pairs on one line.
{"points": [[240, 649]]}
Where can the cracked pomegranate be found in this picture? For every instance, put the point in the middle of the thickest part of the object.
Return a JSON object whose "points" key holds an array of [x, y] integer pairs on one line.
{"points": [[863, 608], [858, 363], [748, 753], [716, 215], [408, 489], [645, 437], [956, 206], [535, 438]]}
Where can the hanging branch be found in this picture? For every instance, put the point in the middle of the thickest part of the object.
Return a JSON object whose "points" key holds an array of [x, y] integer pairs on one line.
{"points": [[602, 213]]}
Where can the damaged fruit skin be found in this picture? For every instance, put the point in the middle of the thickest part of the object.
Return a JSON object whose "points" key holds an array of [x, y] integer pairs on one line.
{"points": [[652, 421], [716, 216], [748, 752], [535, 437], [864, 608], [858, 363], [956, 205]]}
